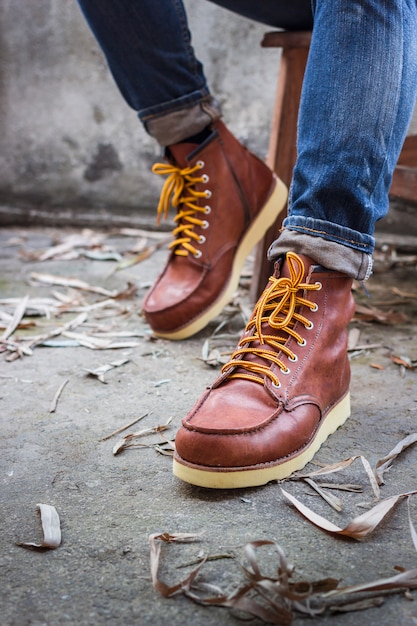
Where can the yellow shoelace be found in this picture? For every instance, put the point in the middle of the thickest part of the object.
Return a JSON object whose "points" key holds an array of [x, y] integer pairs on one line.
{"points": [[276, 307], [179, 191]]}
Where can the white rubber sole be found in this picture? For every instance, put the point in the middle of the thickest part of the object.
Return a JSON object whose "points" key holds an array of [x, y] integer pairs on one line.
{"points": [[266, 217], [229, 478]]}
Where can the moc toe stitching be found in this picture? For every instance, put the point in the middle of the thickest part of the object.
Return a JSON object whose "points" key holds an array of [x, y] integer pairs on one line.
{"points": [[264, 444], [245, 425]]}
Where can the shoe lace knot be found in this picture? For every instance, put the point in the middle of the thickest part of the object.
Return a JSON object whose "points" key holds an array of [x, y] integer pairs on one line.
{"points": [[272, 323], [180, 192]]}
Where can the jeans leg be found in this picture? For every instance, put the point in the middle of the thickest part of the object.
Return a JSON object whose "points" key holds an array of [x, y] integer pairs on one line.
{"points": [[148, 48], [358, 96], [147, 45]]}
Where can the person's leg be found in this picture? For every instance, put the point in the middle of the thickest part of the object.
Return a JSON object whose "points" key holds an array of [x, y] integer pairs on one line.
{"points": [[148, 49], [358, 97], [225, 197], [286, 387]]}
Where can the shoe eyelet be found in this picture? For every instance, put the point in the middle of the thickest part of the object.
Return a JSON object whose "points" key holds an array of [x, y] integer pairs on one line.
{"points": [[200, 164], [207, 209], [197, 254], [207, 193], [286, 372], [293, 359], [318, 285], [315, 308], [205, 178], [205, 224], [276, 386], [309, 326], [302, 343], [201, 239]]}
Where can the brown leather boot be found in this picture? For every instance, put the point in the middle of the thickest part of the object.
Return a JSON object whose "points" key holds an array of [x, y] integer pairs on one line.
{"points": [[226, 198], [285, 389]]}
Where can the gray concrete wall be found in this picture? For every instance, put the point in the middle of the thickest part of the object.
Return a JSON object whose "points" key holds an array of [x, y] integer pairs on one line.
{"points": [[67, 137], [68, 140]]}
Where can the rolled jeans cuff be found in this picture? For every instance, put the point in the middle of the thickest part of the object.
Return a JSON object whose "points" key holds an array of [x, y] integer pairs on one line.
{"points": [[331, 255], [171, 123]]}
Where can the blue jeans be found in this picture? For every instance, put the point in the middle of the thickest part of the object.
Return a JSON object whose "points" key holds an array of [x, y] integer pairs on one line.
{"points": [[358, 97]]}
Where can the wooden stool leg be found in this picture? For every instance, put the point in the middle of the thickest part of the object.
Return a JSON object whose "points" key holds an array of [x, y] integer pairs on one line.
{"points": [[404, 182], [282, 149]]}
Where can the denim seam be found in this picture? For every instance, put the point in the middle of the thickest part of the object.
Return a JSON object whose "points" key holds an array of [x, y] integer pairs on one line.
{"points": [[397, 106], [173, 109], [323, 232], [179, 8]]}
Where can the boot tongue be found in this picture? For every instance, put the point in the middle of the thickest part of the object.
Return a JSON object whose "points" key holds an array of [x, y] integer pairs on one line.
{"points": [[186, 152], [180, 153], [281, 270]]}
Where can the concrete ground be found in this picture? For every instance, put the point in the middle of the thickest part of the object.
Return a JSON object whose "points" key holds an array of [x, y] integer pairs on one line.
{"points": [[109, 504]]}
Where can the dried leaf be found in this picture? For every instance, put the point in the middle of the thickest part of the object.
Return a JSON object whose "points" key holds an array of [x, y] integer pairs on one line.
{"points": [[241, 601], [371, 476], [60, 343], [376, 366], [87, 238], [163, 381], [51, 529], [212, 557], [372, 314], [264, 598], [334, 502], [385, 463], [269, 599], [412, 527], [155, 553], [338, 467], [277, 599], [166, 449], [139, 232], [403, 361], [106, 255], [404, 294], [129, 440], [353, 338], [142, 256], [126, 293], [404, 580], [16, 319], [343, 487], [122, 428], [360, 605], [358, 528], [69, 326], [100, 371], [123, 334], [327, 469], [54, 402], [75, 283], [97, 343]]}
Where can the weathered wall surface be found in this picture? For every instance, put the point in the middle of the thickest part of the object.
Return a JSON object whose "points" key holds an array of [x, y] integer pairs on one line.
{"points": [[68, 140], [67, 137]]}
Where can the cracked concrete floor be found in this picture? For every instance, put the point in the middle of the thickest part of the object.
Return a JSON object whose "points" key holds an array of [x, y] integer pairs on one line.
{"points": [[109, 505]]}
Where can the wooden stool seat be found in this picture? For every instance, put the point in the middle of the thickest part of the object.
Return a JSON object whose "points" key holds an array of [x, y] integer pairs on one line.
{"points": [[282, 151]]}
